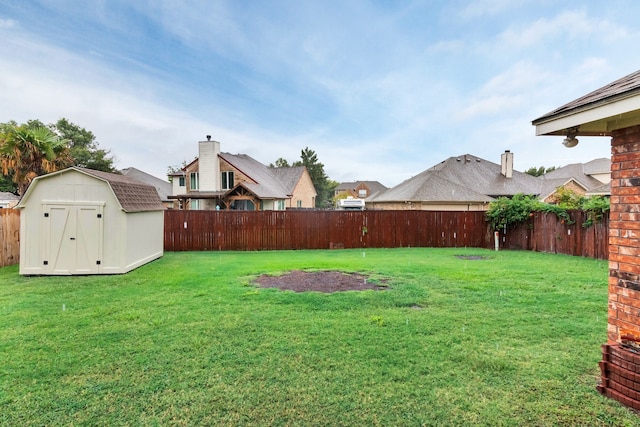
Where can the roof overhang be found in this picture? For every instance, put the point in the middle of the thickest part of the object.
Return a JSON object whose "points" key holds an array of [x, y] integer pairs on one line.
{"points": [[598, 119], [199, 195]]}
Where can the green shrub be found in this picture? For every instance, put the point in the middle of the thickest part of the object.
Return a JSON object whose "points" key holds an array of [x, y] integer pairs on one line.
{"points": [[505, 212]]}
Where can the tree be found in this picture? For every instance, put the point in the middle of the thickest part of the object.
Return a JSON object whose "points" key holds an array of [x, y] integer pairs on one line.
{"points": [[324, 186], [83, 147], [320, 180], [30, 150], [6, 185], [280, 163], [539, 171]]}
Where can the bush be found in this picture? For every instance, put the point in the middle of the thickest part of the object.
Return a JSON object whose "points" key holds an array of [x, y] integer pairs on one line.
{"points": [[505, 212]]}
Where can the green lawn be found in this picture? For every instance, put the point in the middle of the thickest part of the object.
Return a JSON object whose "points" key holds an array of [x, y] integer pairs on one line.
{"points": [[512, 339]]}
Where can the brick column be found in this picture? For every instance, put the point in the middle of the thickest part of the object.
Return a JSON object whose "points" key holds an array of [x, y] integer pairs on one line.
{"points": [[624, 235]]}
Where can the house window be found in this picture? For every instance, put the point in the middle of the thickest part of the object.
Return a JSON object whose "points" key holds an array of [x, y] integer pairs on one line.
{"points": [[195, 204], [299, 203], [194, 181], [362, 193], [280, 205], [181, 181], [227, 180]]}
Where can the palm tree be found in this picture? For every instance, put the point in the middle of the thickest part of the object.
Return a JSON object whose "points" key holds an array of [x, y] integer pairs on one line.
{"points": [[29, 151]]}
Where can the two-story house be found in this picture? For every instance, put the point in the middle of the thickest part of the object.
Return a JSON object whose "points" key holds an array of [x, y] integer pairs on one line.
{"points": [[224, 181]]}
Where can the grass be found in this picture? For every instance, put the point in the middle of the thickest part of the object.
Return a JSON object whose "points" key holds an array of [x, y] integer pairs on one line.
{"points": [[512, 339]]}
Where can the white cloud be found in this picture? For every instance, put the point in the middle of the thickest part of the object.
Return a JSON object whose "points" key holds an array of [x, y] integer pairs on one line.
{"points": [[8, 23], [566, 26]]}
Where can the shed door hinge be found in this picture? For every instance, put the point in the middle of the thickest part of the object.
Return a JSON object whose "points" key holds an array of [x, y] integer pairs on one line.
{"points": [[45, 262], [99, 215], [46, 214], [98, 262]]}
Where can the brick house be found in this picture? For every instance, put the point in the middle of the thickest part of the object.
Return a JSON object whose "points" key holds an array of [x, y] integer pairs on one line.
{"points": [[614, 110], [358, 189], [225, 181], [459, 183], [584, 179]]}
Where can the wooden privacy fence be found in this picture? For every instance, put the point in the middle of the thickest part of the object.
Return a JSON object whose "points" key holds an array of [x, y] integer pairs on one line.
{"points": [[9, 237], [265, 230], [268, 230], [545, 232]]}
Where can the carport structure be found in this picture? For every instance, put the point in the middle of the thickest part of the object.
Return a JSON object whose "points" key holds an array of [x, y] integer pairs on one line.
{"points": [[614, 110]]}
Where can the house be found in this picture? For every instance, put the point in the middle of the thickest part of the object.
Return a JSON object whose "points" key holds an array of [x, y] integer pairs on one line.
{"points": [[163, 188], [614, 110], [217, 180], [464, 182], [8, 200], [82, 221], [584, 179], [358, 189]]}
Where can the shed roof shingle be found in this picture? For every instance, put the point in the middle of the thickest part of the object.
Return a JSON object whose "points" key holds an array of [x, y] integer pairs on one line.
{"points": [[133, 195]]}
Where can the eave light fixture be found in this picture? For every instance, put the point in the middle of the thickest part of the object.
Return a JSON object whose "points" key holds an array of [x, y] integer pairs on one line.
{"points": [[571, 141]]}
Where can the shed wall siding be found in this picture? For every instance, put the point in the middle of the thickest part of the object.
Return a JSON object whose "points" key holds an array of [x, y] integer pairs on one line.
{"points": [[143, 240], [123, 241], [72, 188]]}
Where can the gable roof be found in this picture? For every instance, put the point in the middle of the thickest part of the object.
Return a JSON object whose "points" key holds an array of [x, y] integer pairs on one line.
{"points": [[265, 183], [577, 171], [613, 106], [289, 176], [428, 186], [464, 178], [550, 186], [8, 196], [132, 195], [598, 166], [162, 187]]}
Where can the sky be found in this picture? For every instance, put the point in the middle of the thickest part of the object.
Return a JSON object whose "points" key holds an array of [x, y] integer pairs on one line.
{"points": [[380, 90]]}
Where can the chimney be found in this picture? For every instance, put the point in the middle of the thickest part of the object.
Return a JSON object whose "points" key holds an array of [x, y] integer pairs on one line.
{"points": [[506, 163], [209, 165]]}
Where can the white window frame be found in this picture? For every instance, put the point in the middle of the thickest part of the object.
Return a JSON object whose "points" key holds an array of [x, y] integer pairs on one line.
{"points": [[194, 181], [227, 180]]}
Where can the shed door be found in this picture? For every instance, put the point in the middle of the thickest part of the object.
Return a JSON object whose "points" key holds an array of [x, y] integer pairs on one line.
{"points": [[74, 239]]}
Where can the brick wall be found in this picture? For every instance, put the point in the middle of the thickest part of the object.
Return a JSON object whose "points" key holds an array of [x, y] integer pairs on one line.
{"points": [[304, 191], [624, 234]]}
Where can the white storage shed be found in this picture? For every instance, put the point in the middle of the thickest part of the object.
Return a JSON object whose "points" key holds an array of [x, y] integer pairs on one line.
{"points": [[82, 221]]}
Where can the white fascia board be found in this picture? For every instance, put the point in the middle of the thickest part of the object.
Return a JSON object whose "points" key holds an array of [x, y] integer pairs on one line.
{"points": [[603, 118]]}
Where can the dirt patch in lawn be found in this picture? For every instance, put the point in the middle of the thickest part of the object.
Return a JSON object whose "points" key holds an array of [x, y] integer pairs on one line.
{"points": [[320, 281], [472, 257]]}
